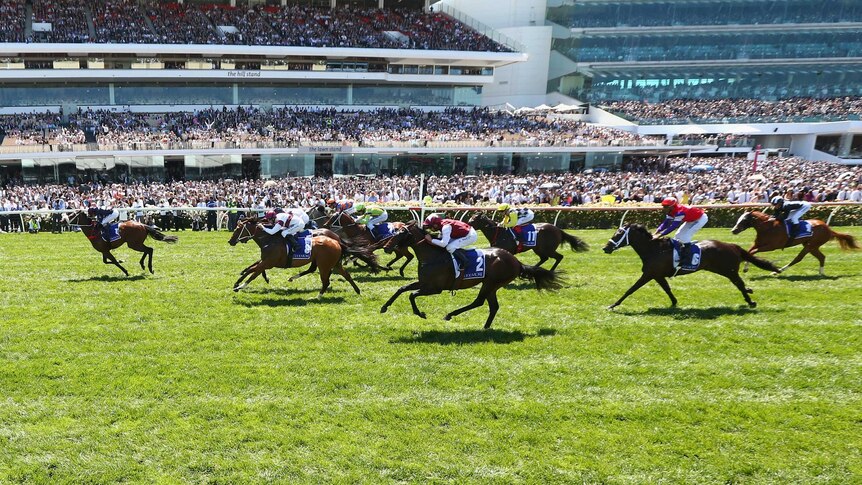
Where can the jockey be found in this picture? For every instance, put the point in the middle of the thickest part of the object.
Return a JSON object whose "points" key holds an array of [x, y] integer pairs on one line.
{"points": [[454, 235], [345, 206], [289, 225], [371, 215], [688, 219], [297, 212], [791, 211], [102, 218], [515, 218]]}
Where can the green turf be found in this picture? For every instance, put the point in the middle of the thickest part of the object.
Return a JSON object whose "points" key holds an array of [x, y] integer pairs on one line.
{"points": [[173, 377]]}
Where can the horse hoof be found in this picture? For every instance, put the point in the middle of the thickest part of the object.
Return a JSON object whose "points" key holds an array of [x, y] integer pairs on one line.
{"points": [[752, 304], [236, 290], [749, 291], [447, 317], [421, 315], [612, 307], [775, 273], [383, 310]]}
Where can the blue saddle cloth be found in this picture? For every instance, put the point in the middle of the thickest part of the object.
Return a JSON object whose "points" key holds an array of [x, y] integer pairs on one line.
{"points": [[805, 229], [475, 269], [693, 261], [304, 250], [383, 231], [111, 232], [528, 235]]}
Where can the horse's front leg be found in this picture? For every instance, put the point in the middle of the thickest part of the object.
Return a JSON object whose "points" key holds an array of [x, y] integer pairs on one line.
{"points": [[752, 250], [666, 287], [421, 292], [644, 279], [410, 287], [109, 258]]}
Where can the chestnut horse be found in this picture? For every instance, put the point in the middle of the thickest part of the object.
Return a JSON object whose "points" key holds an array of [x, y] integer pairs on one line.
{"points": [[437, 274], [345, 226], [548, 239], [772, 235], [657, 257], [326, 255], [132, 233]]}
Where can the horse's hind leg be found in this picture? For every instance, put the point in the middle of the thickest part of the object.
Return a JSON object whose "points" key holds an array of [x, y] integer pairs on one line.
{"points": [[409, 257], [820, 257], [559, 259], [324, 280], [343, 272], [311, 269], [479, 301], [798, 258], [410, 287], [666, 287], [736, 280], [644, 279], [109, 258], [493, 306]]}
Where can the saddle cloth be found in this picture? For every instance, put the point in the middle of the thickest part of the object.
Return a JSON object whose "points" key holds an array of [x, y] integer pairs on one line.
{"points": [[475, 265], [383, 231], [692, 262], [805, 229], [304, 250]]}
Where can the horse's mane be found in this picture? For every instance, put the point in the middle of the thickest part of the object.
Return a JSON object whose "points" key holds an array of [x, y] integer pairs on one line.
{"points": [[660, 242]]}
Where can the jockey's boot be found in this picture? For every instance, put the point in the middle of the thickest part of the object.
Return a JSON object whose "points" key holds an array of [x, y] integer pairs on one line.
{"points": [[461, 258], [794, 230], [292, 243], [684, 253]]}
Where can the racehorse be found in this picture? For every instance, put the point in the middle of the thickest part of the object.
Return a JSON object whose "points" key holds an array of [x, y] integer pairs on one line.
{"points": [[772, 235], [548, 239], [326, 255], [132, 233], [437, 273], [344, 225], [657, 257]]}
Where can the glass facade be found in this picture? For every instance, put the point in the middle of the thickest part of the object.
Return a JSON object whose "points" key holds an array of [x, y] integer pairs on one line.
{"points": [[156, 93]]}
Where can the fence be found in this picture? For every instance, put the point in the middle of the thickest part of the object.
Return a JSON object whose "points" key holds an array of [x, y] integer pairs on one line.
{"points": [[579, 217]]}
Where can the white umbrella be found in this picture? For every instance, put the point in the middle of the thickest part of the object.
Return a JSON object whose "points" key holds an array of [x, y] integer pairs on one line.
{"points": [[550, 185], [543, 107], [524, 110]]}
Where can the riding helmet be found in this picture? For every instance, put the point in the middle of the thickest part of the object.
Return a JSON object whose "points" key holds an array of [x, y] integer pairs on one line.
{"points": [[777, 201], [668, 202]]}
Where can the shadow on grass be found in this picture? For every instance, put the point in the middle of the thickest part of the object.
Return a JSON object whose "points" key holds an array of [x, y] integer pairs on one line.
{"points": [[466, 337], [390, 276], [795, 277], [291, 302], [695, 313], [109, 279], [269, 290]]}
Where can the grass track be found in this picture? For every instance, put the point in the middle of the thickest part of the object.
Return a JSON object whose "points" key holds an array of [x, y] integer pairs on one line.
{"points": [[173, 377]]}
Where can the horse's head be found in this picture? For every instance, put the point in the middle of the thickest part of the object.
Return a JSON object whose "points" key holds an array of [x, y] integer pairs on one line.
{"points": [[480, 221], [624, 235], [80, 218], [406, 236], [745, 221], [244, 231]]}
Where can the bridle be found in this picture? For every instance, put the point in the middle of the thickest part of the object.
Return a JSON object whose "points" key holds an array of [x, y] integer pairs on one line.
{"points": [[622, 240], [245, 233]]}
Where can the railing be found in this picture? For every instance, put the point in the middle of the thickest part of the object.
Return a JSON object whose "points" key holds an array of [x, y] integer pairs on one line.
{"points": [[483, 29]]}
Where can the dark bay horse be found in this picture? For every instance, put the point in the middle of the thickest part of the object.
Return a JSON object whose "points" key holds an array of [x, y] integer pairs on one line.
{"points": [[437, 274], [345, 226], [132, 233], [657, 257], [326, 255], [548, 239], [772, 235]]}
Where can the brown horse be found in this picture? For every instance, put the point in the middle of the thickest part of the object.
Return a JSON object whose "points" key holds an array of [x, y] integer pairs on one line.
{"points": [[772, 235], [326, 255], [437, 274], [345, 226], [657, 257], [132, 233], [548, 239]]}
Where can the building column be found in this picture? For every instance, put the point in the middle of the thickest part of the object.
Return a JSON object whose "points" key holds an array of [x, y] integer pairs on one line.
{"points": [[332, 4], [235, 88], [111, 94], [350, 94], [845, 144], [380, 4]]}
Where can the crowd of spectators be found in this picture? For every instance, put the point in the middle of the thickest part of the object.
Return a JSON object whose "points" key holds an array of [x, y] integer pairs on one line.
{"points": [[294, 126], [684, 110], [68, 19], [126, 21], [729, 180]]}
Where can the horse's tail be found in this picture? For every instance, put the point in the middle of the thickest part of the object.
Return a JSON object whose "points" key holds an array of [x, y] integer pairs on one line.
{"points": [[577, 244], [760, 263], [160, 236], [364, 254], [845, 240], [545, 279]]}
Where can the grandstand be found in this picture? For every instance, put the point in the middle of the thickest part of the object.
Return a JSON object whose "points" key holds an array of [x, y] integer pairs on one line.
{"points": [[194, 90]]}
